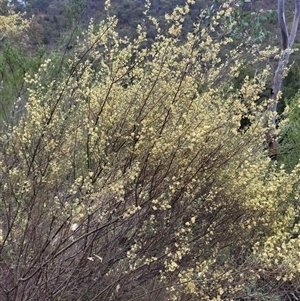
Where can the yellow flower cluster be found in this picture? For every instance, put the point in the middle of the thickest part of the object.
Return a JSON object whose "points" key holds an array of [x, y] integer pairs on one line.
{"points": [[12, 23]]}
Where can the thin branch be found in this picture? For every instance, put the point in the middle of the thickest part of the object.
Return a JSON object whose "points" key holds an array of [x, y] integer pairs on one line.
{"points": [[282, 24], [295, 23]]}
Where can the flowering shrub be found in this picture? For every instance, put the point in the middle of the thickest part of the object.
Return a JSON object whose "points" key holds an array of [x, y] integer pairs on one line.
{"points": [[128, 177], [10, 23]]}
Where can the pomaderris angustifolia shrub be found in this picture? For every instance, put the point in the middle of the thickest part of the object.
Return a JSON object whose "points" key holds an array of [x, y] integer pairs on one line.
{"points": [[128, 176]]}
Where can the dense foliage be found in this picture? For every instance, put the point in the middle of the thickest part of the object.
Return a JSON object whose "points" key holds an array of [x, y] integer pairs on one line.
{"points": [[127, 175]]}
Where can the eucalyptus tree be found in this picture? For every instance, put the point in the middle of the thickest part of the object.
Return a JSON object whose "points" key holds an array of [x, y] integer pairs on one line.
{"points": [[287, 41]]}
